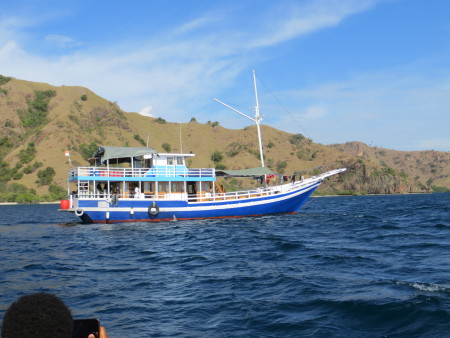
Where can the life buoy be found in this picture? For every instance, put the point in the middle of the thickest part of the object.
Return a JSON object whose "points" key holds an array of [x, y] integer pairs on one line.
{"points": [[108, 200], [79, 212], [153, 210]]}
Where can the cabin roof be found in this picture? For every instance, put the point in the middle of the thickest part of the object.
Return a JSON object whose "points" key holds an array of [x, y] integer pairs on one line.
{"points": [[105, 153], [176, 154], [259, 171]]}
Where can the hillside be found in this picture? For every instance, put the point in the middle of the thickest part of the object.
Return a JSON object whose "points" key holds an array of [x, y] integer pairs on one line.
{"points": [[430, 169], [40, 121]]}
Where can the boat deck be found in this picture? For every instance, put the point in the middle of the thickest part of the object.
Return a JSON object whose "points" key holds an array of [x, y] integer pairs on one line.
{"points": [[143, 174]]}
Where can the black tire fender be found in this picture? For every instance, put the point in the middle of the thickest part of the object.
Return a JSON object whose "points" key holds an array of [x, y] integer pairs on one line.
{"points": [[153, 210], [79, 212]]}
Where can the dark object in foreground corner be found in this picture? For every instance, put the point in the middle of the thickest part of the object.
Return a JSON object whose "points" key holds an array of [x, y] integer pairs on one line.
{"points": [[38, 315], [84, 327]]}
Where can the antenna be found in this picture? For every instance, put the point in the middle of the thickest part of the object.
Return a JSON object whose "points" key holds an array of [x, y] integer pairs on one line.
{"points": [[257, 119], [181, 141]]}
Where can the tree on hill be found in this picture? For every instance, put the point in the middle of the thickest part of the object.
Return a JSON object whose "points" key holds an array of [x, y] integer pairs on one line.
{"points": [[4, 79], [36, 113], [166, 147]]}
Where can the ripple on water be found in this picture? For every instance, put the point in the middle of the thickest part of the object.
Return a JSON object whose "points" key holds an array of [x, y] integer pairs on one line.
{"points": [[344, 266]]}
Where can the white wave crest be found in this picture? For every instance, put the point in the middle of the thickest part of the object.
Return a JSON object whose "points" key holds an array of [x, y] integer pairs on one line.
{"points": [[428, 287]]}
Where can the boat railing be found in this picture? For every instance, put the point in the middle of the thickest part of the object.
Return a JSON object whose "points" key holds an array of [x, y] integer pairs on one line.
{"points": [[210, 196], [167, 171], [201, 196], [242, 194]]}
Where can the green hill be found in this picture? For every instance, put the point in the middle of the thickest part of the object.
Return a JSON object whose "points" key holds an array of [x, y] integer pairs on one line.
{"points": [[39, 122]]}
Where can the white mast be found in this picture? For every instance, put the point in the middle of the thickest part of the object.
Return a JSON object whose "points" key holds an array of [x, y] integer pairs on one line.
{"points": [[257, 118]]}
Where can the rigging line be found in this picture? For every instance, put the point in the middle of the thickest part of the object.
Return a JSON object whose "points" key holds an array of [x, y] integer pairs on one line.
{"points": [[285, 108], [211, 114], [309, 201]]}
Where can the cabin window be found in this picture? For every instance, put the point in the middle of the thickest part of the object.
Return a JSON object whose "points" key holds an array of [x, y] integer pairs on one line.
{"points": [[191, 188], [180, 161], [177, 186], [148, 187], [163, 187], [170, 161], [208, 187]]}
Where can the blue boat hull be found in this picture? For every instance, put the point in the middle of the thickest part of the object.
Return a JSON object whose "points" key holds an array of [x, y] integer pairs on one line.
{"points": [[138, 210]]}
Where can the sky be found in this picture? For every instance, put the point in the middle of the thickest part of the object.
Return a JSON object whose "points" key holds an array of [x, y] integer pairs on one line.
{"points": [[374, 71]]}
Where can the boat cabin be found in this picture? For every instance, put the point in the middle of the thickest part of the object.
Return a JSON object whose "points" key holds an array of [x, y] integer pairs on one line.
{"points": [[126, 172]]}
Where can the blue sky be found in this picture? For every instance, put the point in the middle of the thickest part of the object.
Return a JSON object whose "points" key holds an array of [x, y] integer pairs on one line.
{"points": [[375, 71]]}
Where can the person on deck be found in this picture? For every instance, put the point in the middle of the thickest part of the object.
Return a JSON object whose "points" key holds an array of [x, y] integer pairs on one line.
{"points": [[137, 192], [100, 190]]}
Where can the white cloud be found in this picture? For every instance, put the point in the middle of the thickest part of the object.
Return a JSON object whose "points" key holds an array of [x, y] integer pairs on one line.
{"points": [[175, 75], [196, 24], [307, 18], [146, 111], [172, 73], [62, 41], [8, 50], [434, 144], [388, 107], [313, 113]]}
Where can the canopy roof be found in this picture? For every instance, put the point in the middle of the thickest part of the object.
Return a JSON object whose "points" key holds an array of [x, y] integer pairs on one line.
{"points": [[259, 171], [104, 153]]}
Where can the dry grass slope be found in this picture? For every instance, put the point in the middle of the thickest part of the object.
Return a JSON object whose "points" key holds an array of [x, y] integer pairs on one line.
{"points": [[77, 119]]}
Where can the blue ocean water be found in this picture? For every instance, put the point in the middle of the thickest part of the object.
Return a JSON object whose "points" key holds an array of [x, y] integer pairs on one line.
{"points": [[360, 266]]}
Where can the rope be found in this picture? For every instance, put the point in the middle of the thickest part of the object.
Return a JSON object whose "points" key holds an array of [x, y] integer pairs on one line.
{"points": [[284, 107]]}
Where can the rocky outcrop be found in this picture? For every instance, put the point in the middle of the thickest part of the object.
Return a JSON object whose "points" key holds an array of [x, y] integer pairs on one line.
{"points": [[364, 177]]}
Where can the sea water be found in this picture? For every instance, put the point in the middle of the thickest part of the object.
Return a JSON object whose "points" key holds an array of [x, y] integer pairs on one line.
{"points": [[360, 266]]}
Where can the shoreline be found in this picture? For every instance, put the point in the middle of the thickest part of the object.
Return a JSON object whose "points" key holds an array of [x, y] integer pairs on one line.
{"points": [[409, 193], [15, 203]]}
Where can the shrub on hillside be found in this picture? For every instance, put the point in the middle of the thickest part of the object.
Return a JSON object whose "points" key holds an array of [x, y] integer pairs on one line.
{"points": [[139, 139], [220, 166], [5, 172], [45, 177], [160, 120], [57, 192], [31, 168], [299, 139], [216, 156], [87, 150], [255, 153], [212, 124], [36, 114], [28, 154], [17, 176], [17, 193], [232, 152], [281, 166], [9, 123], [4, 79]]}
